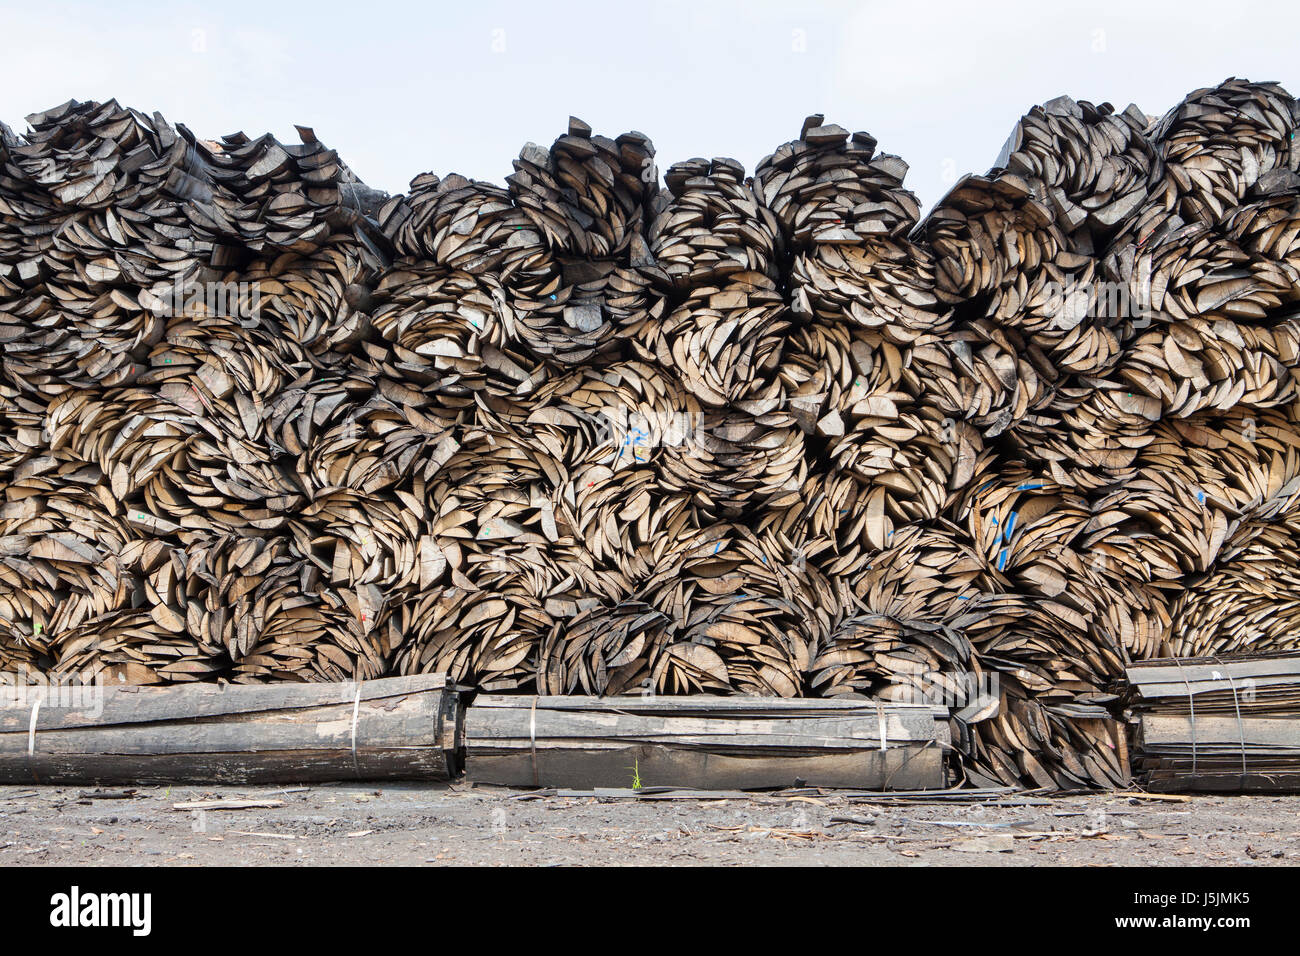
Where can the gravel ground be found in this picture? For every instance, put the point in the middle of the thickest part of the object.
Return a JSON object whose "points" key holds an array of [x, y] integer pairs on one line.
{"points": [[463, 824]]}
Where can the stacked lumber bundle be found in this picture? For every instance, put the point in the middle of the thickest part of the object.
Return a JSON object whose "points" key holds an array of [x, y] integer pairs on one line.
{"points": [[1215, 724], [706, 743], [397, 728], [774, 434]]}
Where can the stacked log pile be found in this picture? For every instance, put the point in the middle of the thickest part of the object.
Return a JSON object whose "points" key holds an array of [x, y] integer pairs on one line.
{"points": [[601, 432]]}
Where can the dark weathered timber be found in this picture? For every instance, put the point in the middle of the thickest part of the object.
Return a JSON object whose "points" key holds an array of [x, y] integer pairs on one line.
{"points": [[704, 742], [389, 729], [601, 431]]}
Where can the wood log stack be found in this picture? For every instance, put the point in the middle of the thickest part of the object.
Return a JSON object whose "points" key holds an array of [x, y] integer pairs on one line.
{"points": [[774, 434]]}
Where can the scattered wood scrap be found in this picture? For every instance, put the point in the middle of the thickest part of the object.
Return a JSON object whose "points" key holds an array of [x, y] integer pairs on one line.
{"points": [[227, 804]]}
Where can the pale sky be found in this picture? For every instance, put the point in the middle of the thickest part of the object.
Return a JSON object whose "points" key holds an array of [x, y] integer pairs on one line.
{"points": [[399, 88]]}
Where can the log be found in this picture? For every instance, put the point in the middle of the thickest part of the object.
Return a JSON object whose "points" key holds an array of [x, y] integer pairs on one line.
{"points": [[704, 743], [397, 728]]}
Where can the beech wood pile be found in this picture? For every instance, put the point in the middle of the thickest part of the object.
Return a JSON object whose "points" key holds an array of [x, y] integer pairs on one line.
{"points": [[601, 431]]}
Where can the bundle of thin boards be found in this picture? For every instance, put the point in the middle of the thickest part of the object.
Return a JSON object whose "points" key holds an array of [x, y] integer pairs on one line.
{"points": [[1217, 724], [395, 728], [705, 743]]}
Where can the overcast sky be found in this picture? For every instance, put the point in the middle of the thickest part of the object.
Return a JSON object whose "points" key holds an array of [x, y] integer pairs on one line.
{"points": [[403, 87]]}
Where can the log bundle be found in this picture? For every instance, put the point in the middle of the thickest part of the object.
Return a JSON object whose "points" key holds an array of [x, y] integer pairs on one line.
{"points": [[599, 432]]}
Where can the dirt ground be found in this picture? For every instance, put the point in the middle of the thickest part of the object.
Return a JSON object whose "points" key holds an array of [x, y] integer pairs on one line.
{"points": [[464, 824]]}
